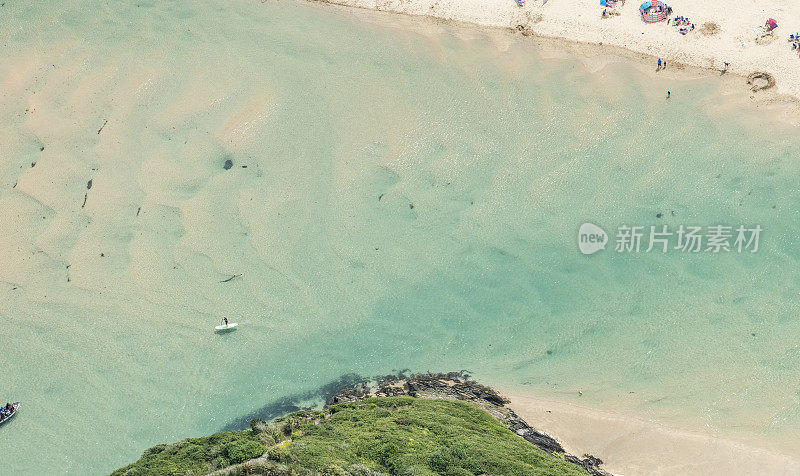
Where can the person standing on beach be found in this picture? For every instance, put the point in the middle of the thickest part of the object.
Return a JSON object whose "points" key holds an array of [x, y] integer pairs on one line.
{"points": [[659, 65], [664, 65], [669, 93], [725, 69]]}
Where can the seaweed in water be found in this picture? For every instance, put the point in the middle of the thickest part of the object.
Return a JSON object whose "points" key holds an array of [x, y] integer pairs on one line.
{"points": [[289, 404]]}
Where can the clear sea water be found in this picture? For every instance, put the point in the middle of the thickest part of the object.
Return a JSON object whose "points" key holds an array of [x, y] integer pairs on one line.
{"points": [[395, 200]]}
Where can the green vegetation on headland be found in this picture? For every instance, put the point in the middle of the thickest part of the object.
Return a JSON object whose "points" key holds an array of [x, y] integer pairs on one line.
{"points": [[384, 435], [197, 455]]}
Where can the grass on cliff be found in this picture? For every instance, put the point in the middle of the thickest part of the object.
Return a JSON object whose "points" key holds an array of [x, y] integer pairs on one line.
{"points": [[196, 455], [394, 435]]}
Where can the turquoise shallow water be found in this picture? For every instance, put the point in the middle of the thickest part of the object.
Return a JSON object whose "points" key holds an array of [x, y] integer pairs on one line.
{"points": [[396, 200]]}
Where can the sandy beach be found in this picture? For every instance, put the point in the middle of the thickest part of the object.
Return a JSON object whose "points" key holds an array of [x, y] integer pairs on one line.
{"points": [[634, 446], [732, 41]]}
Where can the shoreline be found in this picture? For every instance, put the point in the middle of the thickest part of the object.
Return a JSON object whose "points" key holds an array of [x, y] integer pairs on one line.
{"points": [[602, 441], [781, 102], [629, 445]]}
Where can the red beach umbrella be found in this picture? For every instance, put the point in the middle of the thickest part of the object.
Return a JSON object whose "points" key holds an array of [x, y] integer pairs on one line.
{"points": [[771, 24]]}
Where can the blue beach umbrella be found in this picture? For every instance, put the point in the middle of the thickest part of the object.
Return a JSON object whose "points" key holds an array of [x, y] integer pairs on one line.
{"points": [[645, 6]]}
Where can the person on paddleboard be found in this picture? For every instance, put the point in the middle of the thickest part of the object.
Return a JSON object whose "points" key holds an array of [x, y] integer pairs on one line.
{"points": [[225, 320]]}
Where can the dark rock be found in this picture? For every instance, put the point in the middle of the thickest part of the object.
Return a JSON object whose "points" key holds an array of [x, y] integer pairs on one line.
{"points": [[228, 164], [543, 441], [590, 463]]}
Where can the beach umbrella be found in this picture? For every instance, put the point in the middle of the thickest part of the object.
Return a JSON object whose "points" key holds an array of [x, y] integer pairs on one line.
{"points": [[772, 24], [645, 6]]}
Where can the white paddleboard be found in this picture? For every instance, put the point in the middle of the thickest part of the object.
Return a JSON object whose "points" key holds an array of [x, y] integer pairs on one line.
{"points": [[226, 327]]}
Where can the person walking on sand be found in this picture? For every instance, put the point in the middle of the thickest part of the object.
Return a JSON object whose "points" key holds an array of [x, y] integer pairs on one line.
{"points": [[725, 69], [659, 65], [664, 64]]}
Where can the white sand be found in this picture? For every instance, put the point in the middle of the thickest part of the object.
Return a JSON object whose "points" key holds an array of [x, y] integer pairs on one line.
{"points": [[580, 20], [631, 446]]}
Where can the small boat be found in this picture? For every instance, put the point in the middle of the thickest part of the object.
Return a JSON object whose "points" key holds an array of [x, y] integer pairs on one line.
{"points": [[14, 407], [227, 327]]}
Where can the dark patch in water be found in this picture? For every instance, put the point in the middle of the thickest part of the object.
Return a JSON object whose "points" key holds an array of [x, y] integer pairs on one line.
{"points": [[33, 164], [85, 196], [89, 185], [228, 164], [291, 403]]}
